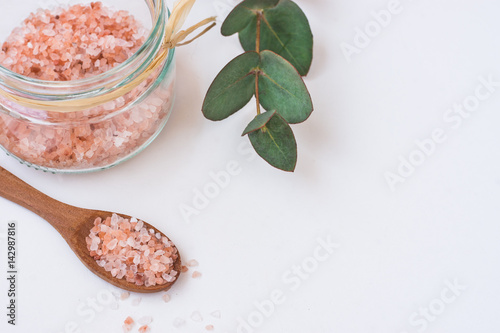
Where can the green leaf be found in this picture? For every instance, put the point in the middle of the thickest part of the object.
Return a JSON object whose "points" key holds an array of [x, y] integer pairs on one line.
{"points": [[275, 143], [282, 89], [233, 88], [284, 30], [260, 121], [243, 14]]}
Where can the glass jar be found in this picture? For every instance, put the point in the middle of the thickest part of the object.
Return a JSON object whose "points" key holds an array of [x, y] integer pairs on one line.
{"points": [[98, 137]]}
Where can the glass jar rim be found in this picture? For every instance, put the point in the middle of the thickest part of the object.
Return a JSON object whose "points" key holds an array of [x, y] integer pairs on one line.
{"points": [[153, 40]]}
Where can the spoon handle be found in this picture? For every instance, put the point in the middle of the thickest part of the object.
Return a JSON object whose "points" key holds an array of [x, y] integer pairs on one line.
{"points": [[58, 214]]}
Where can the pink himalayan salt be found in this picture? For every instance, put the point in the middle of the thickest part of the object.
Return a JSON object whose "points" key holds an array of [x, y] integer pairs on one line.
{"points": [[85, 145], [128, 324], [209, 327], [192, 263], [184, 269], [196, 274], [166, 298], [136, 256], [196, 317], [79, 140], [144, 329], [71, 43]]}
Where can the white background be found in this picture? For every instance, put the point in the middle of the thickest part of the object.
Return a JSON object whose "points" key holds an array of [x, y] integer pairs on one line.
{"points": [[397, 249]]}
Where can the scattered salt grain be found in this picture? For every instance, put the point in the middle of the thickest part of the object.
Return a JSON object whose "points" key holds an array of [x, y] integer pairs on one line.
{"points": [[196, 317], [196, 274], [128, 324], [184, 269], [144, 329], [124, 295], [145, 320], [209, 327], [166, 298], [136, 301], [192, 263]]}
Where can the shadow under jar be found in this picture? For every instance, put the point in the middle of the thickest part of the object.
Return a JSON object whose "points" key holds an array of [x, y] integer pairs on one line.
{"points": [[98, 137]]}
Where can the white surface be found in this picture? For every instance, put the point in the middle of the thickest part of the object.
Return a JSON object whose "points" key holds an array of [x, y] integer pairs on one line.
{"points": [[397, 248]]}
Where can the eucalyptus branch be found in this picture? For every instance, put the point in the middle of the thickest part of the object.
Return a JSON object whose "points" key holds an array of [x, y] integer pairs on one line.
{"points": [[277, 54]]}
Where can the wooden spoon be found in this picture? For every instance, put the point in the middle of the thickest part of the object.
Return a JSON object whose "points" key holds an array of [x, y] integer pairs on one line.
{"points": [[74, 224]]}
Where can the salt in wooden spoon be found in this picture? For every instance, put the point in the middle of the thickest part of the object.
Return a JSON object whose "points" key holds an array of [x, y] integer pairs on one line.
{"points": [[74, 224]]}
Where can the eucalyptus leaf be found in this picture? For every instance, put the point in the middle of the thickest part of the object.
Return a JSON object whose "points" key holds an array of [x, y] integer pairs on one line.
{"points": [[233, 88], [242, 15], [276, 144], [258, 122], [284, 29], [282, 88]]}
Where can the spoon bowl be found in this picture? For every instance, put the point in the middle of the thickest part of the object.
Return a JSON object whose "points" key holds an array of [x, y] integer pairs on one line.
{"points": [[73, 224]]}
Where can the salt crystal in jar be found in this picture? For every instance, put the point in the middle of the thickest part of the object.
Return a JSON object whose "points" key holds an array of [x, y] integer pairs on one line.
{"points": [[97, 63]]}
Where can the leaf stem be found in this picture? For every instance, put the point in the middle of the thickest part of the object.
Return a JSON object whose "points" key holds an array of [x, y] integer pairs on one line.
{"points": [[257, 91], [257, 39], [257, 49]]}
